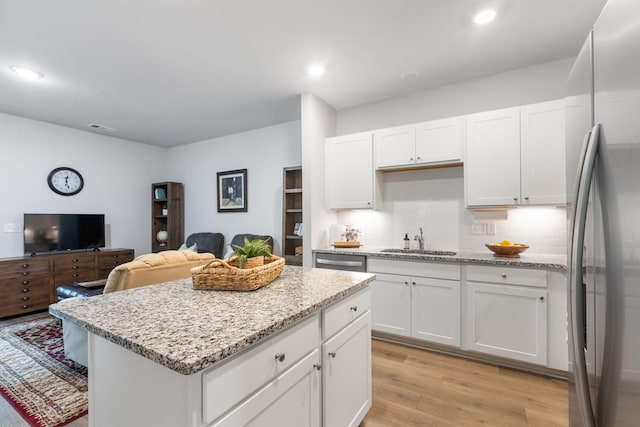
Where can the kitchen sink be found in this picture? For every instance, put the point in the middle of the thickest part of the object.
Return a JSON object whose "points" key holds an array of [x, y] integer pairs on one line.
{"points": [[418, 251]]}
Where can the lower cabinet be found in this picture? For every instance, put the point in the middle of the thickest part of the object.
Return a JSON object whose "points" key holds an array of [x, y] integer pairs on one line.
{"points": [[507, 321], [314, 373], [293, 396], [516, 313], [347, 374], [425, 305]]}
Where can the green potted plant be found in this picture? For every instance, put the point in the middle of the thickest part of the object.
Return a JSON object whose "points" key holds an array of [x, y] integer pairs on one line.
{"points": [[253, 252]]}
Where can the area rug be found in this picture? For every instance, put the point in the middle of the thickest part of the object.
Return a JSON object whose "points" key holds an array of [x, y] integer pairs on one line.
{"points": [[46, 389]]}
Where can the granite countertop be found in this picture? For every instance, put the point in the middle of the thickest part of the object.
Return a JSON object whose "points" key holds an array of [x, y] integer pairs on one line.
{"points": [[547, 262], [189, 330]]}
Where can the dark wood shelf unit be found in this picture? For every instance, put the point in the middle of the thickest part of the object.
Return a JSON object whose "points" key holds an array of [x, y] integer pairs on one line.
{"points": [[291, 214], [173, 221]]}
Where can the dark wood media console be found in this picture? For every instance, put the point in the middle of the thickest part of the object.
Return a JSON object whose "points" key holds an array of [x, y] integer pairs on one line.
{"points": [[29, 283]]}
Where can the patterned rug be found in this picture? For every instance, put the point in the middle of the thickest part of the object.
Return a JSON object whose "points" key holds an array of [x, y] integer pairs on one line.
{"points": [[46, 389]]}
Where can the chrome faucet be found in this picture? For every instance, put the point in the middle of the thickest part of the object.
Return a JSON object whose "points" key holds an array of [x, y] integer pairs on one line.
{"points": [[420, 240]]}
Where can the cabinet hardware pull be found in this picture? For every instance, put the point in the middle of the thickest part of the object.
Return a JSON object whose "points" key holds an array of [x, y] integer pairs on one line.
{"points": [[24, 265], [25, 273], [317, 366], [526, 198], [406, 283], [515, 199], [75, 275], [25, 282], [504, 275], [75, 260], [280, 357], [25, 289], [419, 158], [25, 298], [75, 267], [541, 298], [411, 159], [332, 354], [25, 306], [354, 308], [413, 283]]}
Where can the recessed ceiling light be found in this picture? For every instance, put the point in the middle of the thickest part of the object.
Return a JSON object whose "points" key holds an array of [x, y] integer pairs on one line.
{"points": [[26, 73], [315, 70], [484, 16]]}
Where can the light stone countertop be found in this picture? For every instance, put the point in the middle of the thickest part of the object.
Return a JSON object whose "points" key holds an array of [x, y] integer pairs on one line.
{"points": [[189, 330], [546, 262]]}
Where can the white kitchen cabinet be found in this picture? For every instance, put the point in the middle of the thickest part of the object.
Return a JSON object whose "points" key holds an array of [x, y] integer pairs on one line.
{"points": [[492, 167], [516, 156], [436, 142], [350, 176], [347, 374], [543, 179], [506, 313], [293, 396], [425, 305], [435, 310], [391, 299]]}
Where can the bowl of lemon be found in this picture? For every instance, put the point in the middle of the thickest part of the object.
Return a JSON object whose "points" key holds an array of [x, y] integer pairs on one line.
{"points": [[507, 249]]}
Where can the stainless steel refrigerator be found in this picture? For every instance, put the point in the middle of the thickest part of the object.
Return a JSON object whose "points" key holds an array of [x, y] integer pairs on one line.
{"points": [[603, 182]]}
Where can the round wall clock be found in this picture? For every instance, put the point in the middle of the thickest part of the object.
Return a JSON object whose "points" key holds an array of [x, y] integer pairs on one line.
{"points": [[65, 181]]}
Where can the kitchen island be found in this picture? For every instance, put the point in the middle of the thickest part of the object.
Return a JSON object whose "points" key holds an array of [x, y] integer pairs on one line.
{"points": [[169, 355]]}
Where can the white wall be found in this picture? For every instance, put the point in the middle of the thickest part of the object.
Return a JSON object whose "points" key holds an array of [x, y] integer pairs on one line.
{"points": [[539, 83], [263, 152], [318, 122], [434, 199], [117, 180]]}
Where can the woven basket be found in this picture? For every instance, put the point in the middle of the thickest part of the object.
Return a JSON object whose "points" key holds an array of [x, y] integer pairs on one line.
{"points": [[224, 275]]}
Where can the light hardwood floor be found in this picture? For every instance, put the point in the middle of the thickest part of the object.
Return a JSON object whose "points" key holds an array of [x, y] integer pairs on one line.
{"points": [[413, 387]]}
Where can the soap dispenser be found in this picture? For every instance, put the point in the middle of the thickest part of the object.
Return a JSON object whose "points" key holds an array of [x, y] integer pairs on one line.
{"points": [[406, 241]]}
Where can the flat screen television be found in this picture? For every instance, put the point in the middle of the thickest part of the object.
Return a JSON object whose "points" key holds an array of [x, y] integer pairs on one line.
{"points": [[62, 232]]}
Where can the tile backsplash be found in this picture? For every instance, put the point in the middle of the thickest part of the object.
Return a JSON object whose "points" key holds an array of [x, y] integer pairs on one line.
{"points": [[434, 200]]}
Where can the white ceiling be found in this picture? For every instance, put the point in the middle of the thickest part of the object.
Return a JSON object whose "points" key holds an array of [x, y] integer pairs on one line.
{"points": [[171, 72]]}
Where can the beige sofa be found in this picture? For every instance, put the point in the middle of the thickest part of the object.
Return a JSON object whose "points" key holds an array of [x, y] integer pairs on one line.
{"points": [[145, 270]]}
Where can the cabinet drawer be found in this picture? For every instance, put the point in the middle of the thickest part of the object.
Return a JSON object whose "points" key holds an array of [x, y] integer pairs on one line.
{"points": [[225, 386], [112, 259], [18, 284], [511, 276], [74, 276], [25, 267], [413, 268], [68, 262], [344, 312]]}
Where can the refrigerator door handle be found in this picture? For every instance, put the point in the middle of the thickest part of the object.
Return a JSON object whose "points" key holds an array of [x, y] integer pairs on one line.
{"points": [[576, 303]]}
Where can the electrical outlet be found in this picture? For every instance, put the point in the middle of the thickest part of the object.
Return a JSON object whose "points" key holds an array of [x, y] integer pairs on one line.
{"points": [[478, 228], [12, 227], [491, 228]]}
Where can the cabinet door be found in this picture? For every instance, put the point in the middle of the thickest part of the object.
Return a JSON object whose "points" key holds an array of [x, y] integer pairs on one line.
{"points": [[435, 310], [347, 374], [492, 164], [509, 321], [395, 146], [439, 141], [391, 304], [349, 171], [543, 178], [291, 399]]}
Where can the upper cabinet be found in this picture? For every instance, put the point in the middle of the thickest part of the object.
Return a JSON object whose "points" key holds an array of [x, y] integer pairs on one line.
{"points": [[515, 156], [437, 142], [350, 177]]}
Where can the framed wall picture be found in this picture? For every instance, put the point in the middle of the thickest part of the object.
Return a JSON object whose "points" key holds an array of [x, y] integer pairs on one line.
{"points": [[232, 191]]}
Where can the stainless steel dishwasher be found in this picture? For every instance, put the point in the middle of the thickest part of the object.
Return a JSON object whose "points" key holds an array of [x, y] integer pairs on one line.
{"points": [[341, 262]]}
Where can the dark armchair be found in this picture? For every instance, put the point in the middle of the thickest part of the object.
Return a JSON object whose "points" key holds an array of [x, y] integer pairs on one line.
{"points": [[208, 242]]}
